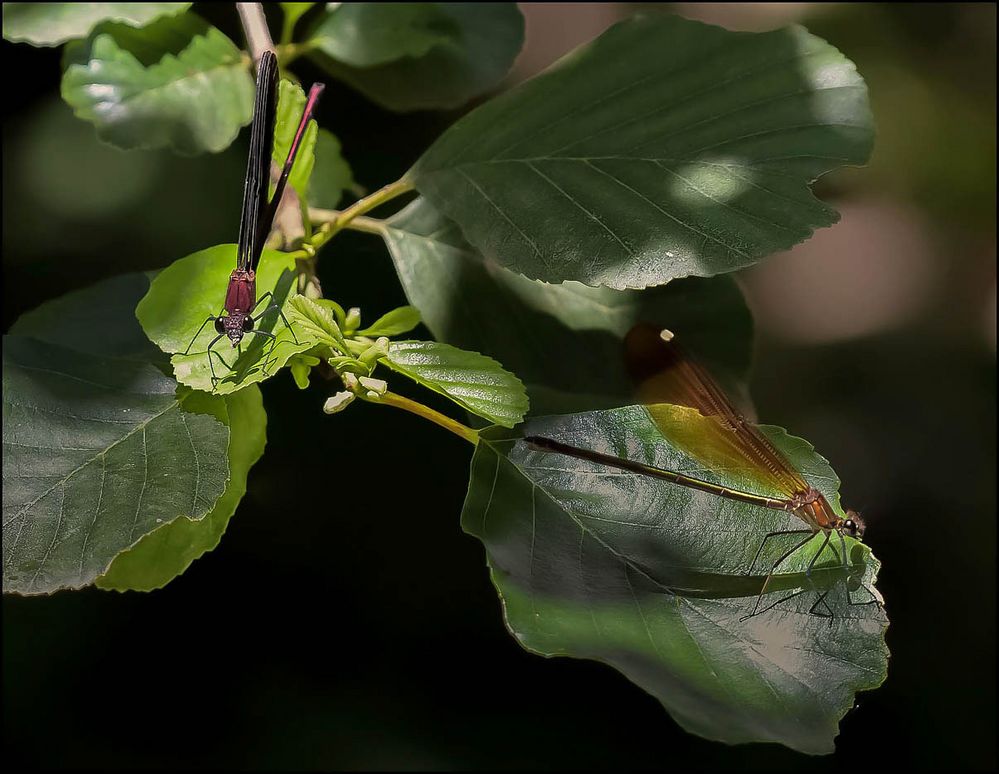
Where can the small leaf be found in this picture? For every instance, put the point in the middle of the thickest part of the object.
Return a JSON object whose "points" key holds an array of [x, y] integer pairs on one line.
{"points": [[467, 49], [651, 578], [665, 148], [97, 453], [332, 175], [475, 382], [301, 366], [192, 102], [400, 320], [168, 551], [291, 104], [369, 34], [316, 322], [49, 24], [476, 305], [190, 290]]}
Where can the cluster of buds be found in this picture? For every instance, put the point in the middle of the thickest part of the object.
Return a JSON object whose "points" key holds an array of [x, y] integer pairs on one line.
{"points": [[364, 387]]}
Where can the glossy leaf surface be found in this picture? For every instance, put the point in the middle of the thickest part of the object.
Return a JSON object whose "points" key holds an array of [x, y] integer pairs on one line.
{"points": [[477, 383], [49, 24], [100, 321], [168, 551], [97, 453], [665, 148], [192, 101]]}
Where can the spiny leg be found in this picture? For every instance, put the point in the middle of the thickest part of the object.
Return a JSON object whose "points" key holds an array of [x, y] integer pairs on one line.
{"points": [[215, 379], [849, 599], [191, 344], [774, 604], [775, 534], [770, 574], [273, 339], [811, 564], [273, 306], [822, 601]]}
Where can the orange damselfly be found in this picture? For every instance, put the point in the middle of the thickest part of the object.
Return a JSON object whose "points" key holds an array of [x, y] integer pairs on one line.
{"points": [[664, 374]]}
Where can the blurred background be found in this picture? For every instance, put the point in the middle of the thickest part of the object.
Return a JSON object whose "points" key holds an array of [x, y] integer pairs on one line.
{"points": [[363, 631]]}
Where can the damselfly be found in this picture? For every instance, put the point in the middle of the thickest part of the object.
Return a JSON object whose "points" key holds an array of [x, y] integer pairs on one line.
{"points": [[237, 318], [665, 375]]}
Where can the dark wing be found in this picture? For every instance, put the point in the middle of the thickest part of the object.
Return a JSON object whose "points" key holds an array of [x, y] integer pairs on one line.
{"points": [[258, 167], [663, 373]]}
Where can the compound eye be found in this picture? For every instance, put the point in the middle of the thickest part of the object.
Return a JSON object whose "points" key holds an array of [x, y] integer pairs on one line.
{"points": [[247, 324], [851, 527], [219, 325]]}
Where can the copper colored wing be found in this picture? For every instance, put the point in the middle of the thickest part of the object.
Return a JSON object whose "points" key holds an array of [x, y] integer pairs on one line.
{"points": [[663, 373]]}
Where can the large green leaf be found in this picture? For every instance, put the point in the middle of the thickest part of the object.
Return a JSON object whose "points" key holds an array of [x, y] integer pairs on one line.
{"points": [[193, 288], [564, 341], [49, 24], [193, 101], [665, 148], [98, 452], [421, 56], [650, 577], [475, 382], [166, 552], [100, 320]]}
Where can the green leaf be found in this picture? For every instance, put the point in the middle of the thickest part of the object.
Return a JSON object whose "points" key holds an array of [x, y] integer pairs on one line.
{"points": [[475, 382], [564, 341], [191, 102], [49, 24], [292, 13], [99, 320], [664, 148], [400, 320], [193, 288], [98, 452], [650, 578], [316, 321], [369, 34], [332, 175], [301, 366], [291, 104], [449, 52], [168, 551]]}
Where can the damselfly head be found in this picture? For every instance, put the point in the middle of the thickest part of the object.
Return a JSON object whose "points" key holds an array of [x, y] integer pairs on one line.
{"points": [[853, 525], [234, 326]]}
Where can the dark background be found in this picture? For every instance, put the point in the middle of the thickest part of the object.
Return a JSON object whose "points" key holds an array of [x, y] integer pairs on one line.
{"points": [[358, 628]]}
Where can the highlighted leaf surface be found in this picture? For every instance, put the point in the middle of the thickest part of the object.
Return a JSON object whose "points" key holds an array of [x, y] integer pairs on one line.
{"points": [[182, 297], [475, 382], [664, 148], [193, 101], [651, 578]]}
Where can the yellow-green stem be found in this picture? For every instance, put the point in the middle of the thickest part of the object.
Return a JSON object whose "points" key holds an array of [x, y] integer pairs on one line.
{"points": [[460, 430], [344, 217]]}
